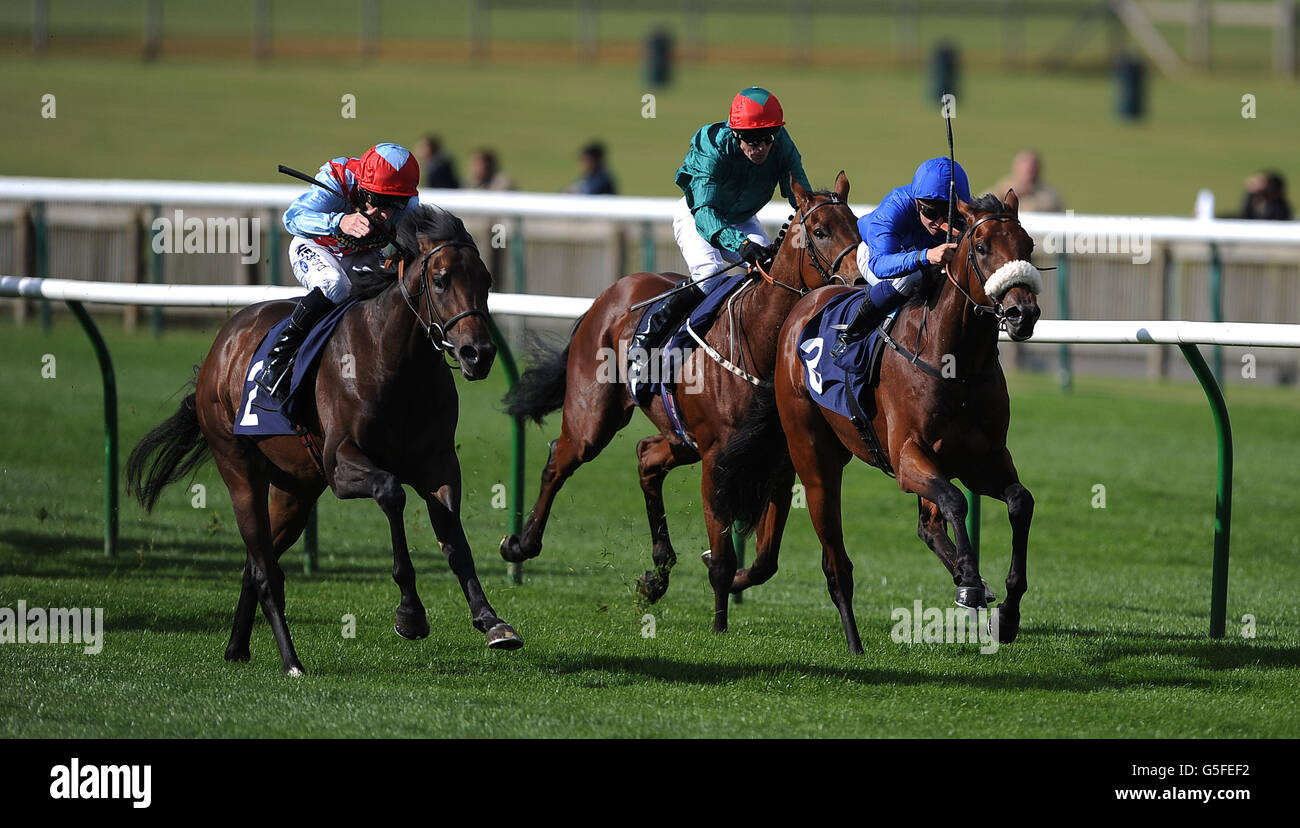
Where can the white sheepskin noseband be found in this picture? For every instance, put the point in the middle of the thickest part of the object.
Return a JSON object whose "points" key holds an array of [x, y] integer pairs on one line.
{"points": [[1017, 272]]}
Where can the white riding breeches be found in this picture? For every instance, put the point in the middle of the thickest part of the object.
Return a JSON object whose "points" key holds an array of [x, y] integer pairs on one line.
{"points": [[702, 258], [905, 285], [315, 266]]}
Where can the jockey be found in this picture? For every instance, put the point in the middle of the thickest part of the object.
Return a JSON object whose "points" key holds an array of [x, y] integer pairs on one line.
{"points": [[334, 234], [728, 174], [900, 237]]}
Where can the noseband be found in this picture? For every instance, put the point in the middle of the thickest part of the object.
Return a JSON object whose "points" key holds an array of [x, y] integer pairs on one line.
{"points": [[436, 328]]}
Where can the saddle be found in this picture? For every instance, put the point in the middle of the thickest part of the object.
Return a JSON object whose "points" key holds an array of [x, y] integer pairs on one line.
{"points": [[259, 415], [846, 386]]}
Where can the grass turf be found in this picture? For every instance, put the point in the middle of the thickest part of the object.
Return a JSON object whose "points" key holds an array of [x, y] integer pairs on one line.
{"points": [[234, 120], [1113, 642]]}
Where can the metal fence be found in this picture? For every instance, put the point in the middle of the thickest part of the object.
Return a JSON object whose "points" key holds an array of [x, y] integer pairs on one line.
{"points": [[577, 246]]}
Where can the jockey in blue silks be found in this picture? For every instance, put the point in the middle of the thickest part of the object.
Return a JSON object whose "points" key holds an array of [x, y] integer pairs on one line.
{"points": [[900, 237]]}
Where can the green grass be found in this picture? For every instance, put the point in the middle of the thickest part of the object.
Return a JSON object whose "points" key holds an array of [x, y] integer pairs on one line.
{"points": [[234, 120], [1113, 643]]}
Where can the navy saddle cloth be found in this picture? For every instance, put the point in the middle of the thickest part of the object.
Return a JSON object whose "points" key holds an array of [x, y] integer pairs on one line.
{"points": [[276, 419], [830, 381], [673, 354]]}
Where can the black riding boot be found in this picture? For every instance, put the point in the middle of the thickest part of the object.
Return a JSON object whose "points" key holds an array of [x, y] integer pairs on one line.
{"points": [[862, 323], [311, 309], [668, 313]]}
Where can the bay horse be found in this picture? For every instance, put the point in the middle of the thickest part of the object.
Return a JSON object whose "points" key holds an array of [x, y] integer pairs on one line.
{"points": [[931, 426], [385, 415], [597, 406]]}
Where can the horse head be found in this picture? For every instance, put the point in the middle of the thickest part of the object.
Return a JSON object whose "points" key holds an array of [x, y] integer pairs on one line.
{"points": [[824, 232], [445, 283], [992, 265]]}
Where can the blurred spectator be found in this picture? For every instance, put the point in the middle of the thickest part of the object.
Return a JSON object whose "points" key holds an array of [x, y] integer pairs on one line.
{"points": [[1266, 198], [486, 174], [1025, 179], [595, 179], [439, 170]]}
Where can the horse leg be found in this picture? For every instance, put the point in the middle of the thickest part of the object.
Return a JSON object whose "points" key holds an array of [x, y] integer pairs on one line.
{"points": [[356, 475], [767, 537], [1000, 480], [918, 472], [249, 489], [288, 514], [594, 429], [655, 456], [933, 529], [722, 555], [443, 502], [822, 484]]}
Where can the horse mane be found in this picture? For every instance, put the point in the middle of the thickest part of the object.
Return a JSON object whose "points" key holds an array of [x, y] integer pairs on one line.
{"points": [[422, 223]]}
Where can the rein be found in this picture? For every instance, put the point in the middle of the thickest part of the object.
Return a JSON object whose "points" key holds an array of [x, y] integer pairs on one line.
{"points": [[436, 323], [992, 309]]}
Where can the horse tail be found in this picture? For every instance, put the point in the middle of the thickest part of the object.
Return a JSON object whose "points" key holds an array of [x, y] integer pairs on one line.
{"points": [[541, 388], [746, 470], [173, 449]]}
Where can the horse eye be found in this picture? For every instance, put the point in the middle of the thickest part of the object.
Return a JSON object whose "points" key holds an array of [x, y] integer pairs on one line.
{"points": [[981, 249], [820, 233]]}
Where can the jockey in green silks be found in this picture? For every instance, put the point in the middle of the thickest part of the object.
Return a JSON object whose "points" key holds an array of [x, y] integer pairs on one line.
{"points": [[728, 175]]}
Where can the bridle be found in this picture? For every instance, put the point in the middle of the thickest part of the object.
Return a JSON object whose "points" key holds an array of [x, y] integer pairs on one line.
{"points": [[993, 308], [436, 328], [827, 268]]}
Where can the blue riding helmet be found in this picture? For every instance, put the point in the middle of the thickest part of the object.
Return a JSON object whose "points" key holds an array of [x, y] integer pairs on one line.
{"points": [[931, 181]]}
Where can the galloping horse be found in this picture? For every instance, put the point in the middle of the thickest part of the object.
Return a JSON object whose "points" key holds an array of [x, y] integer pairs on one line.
{"points": [[930, 426], [385, 410], [595, 409]]}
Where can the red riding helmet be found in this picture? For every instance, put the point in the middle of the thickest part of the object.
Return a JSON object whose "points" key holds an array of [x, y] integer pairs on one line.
{"points": [[755, 108], [388, 169]]}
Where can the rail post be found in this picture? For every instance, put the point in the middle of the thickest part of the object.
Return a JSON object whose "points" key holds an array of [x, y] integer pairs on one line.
{"points": [[517, 442], [1223, 501], [1063, 310], [110, 426]]}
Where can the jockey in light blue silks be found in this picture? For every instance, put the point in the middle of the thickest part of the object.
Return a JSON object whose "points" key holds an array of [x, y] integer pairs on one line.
{"points": [[728, 175], [336, 226], [900, 237]]}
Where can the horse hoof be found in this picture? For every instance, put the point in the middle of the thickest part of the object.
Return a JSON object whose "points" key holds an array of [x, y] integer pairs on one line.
{"points": [[990, 597], [237, 655], [510, 550], [295, 671], [412, 627], [971, 597], [1008, 626], [503, 637], [650, 588]]}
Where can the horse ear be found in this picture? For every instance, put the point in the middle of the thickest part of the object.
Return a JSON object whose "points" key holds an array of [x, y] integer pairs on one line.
{"points": [[966, 211], [842, 186], [1012, 201], [800, 194]]}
